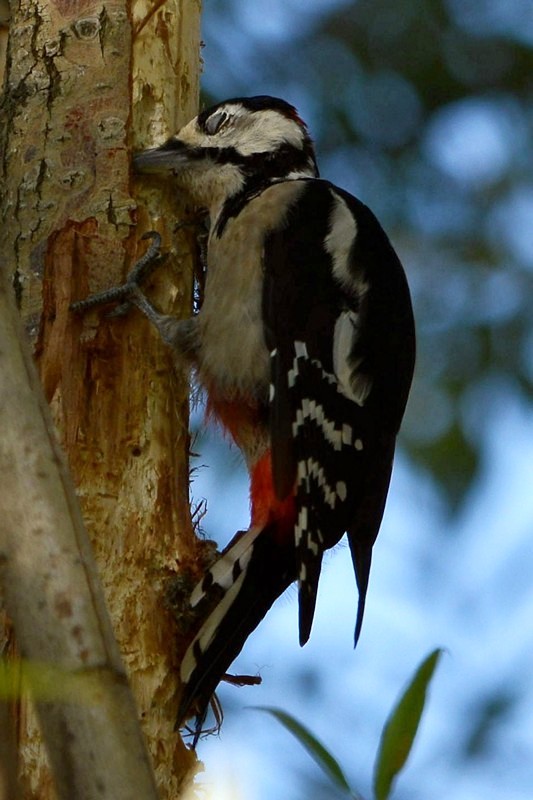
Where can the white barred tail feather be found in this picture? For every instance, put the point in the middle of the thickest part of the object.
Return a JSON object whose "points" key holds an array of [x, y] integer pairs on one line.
{"points": [[239, 606]]}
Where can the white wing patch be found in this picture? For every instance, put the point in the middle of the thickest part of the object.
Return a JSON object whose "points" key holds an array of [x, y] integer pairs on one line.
{"points": [[353, 385], [339, 242]]}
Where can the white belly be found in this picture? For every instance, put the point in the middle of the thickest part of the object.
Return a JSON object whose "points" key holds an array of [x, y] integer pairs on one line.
{"points": [[233, 354]]}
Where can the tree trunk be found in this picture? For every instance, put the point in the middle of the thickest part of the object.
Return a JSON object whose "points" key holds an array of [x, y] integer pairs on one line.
{"points": [[69, 228], [53, 595]]}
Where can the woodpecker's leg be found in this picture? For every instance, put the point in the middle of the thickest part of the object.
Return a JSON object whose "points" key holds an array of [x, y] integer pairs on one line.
{"points": [[180, 335], [152, 259]]}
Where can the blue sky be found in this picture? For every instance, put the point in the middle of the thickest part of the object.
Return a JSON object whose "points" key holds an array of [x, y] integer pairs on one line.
{"points": [[467, 589], [462, 583]]}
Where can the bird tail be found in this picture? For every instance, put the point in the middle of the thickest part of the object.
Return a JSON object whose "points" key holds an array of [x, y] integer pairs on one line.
{"points": [[237, 591], [364, 529]]}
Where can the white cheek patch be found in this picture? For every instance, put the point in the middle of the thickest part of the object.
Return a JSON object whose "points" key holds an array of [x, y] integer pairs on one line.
{"points": [[267, 131], [257, 132], [248, 132]]}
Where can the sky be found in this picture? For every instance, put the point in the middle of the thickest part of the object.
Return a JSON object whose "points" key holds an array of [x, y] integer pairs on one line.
{"points": [[462, 583], [467, 590]]}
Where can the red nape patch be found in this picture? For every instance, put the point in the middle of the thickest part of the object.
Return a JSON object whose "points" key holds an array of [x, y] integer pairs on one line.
{"points": [[266, 507]]}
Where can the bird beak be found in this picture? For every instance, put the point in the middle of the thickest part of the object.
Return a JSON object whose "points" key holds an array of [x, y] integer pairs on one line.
{"points": [[169, 157]]}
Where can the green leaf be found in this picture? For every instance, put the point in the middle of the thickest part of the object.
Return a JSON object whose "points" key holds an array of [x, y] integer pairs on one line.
{"points": [[46, 682], [325, 760], [401, 727]]}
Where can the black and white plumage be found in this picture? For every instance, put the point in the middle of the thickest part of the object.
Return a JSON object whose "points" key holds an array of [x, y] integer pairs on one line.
{"points": [[305, 346]]}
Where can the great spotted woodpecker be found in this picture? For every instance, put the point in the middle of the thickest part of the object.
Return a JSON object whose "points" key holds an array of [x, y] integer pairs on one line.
{"points": [[305, 347]]}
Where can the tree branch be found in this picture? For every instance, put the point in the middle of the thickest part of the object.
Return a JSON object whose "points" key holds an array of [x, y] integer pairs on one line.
{"points": [[54, 597]]}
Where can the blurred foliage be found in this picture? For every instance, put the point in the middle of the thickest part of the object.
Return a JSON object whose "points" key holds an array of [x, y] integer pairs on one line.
{"points": [[395, 745], [486, 719], [423, 110], [320, 754], [46, 683], [401, 728]]}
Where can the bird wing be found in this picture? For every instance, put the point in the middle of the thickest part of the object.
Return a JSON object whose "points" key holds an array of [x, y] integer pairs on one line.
{"points": [[338, 325]]}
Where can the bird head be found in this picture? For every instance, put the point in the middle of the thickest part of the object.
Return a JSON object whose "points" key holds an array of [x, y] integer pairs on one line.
{"points": [[235, 146]]}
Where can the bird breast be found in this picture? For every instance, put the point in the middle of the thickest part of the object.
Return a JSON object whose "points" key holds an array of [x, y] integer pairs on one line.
{"points": [[233, 355]]}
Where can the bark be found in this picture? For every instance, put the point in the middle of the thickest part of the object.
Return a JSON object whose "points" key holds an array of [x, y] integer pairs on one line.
{"points": [[4, 28], [55, 600], [80, 88]]}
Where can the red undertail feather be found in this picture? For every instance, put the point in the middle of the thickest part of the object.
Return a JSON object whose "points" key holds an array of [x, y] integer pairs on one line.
{"points": [[241, 586], [266, 507]]}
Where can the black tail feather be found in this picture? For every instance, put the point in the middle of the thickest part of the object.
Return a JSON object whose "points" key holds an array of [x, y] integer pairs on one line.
{"points": [[271, 568], [362, 558], [362, 534], [307, 594]]}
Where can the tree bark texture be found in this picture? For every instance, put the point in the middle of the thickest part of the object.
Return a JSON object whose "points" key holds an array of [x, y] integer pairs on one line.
{"points": [[53, 595], [86, 81]]}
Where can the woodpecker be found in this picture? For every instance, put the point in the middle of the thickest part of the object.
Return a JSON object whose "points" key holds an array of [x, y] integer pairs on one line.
{"points": [[305, 347]]}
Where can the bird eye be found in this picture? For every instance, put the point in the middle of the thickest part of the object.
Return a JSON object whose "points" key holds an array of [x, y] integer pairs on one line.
{"points": [[215, 122]]}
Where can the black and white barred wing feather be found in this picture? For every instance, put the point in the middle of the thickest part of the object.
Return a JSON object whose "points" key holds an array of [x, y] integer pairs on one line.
{"points": [[330, 329]]}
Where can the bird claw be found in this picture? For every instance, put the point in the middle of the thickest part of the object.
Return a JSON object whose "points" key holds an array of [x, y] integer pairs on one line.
{"points": [[128, 293]]}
